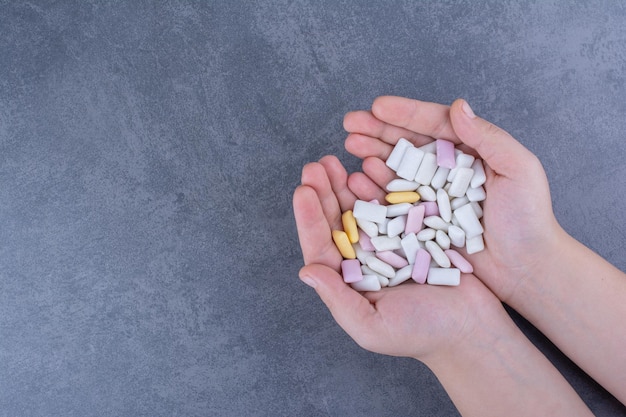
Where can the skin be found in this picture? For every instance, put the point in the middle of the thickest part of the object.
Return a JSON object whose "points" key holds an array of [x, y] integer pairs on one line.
{"points": [[566, 290], [462, 334]]}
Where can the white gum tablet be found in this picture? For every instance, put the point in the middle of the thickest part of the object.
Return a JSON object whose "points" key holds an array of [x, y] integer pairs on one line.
{"points": [[477, 209], [396, 226], [366, 270], [369, 211], [410, 246], [402, 275], [463, 160], [455, 203], [426, 234], [476, 194], [368, 283], [361, 254], [444, 276], [438, 254], [468, 221], [443, 201], [457, 236], [461, 181], [427, 169], [426, 193], [370, 228], [382, 227], [475, 244], [430, 147], [384, 281], [393, 161], [401, 209], [383, 243], [442, 239], [400, 184], [410, 163], [440, 178], [381, 267], [436, 222], [479, 177]]}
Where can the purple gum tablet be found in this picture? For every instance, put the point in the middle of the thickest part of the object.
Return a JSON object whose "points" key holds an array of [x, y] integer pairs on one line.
{"points": [[351, 270], [445, 154], [422, 264]]}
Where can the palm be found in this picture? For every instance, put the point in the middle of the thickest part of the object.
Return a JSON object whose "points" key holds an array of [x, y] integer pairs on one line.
{"points": [[416, 320], [513, 226]]}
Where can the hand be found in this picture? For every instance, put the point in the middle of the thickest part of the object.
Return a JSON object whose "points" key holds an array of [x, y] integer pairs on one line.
{"points": [[520, 228], [411, 320], [463, 334]]}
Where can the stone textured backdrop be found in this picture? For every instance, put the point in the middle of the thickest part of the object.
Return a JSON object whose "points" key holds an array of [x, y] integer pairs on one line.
{"points": [[148, 152]]}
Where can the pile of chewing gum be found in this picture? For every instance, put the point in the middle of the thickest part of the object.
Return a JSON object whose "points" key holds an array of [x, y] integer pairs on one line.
{"points": [[433, 206]]}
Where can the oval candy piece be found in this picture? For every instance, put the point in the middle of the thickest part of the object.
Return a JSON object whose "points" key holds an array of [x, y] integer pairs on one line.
{"points": [[398, 197], [343, 244]]}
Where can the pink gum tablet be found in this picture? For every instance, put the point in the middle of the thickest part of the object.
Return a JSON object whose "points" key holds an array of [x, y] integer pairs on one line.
{"points": [[459, 261], [431, 208], [351, 270], [445, 154], [365, 242], [415, 218], [392, 259], [422, 264]]}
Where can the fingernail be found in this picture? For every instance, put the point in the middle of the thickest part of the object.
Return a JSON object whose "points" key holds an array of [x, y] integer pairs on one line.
{"points": [[308, 281], [468, 110]]}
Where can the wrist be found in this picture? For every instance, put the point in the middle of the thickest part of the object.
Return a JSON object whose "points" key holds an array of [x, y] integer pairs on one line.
{"points": [[576, 301], [488, 326], [551, 258], [498, 371], [481, 321], [547, 256]]}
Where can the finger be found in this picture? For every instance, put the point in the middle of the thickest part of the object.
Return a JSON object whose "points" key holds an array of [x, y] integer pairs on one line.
{"points": [[364, 188], [505, 155], [363, 146], [314, 232], [350, 309], [370, 184], [338, 178], [429, 119], [365, 123], [315, 176], [379, 173]]}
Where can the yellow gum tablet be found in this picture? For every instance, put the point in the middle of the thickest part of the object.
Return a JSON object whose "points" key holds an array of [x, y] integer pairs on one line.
{"points": [[349, 226], [343, 244], [402, 197]]}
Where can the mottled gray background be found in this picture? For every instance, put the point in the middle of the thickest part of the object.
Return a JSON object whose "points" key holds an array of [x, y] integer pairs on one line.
{"points": [[148, 152]]}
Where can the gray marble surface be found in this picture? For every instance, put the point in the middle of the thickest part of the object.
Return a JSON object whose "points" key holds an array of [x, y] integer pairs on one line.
{"points": [[148, 153]]}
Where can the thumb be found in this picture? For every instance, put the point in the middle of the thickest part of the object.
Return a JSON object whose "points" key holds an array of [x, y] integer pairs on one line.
{"points": [[505, 155], [351, 310]]}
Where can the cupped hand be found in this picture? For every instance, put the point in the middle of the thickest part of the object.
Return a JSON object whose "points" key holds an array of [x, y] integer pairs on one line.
{"points": [[413, 320], [520, 228]]}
